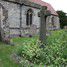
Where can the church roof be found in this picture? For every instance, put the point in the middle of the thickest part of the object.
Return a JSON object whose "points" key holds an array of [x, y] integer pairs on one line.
{"points": [[42, 3]]}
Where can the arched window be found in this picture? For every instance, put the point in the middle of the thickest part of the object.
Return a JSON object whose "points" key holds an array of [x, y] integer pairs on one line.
{"points": [[29, 17]]}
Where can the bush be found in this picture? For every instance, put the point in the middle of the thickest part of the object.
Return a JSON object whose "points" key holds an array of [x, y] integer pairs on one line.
{"points": [[56, 48], [54, 53], [26, 63], [30, 51]]}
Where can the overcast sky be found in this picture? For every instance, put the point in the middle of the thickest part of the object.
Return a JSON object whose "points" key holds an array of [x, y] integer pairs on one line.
{"points": [[58, 4]]}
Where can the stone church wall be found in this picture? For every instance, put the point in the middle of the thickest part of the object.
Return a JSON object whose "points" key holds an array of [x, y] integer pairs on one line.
{"points": [[15, 20], [13, 17], [57, 22], [51, 25], [35, 18]]}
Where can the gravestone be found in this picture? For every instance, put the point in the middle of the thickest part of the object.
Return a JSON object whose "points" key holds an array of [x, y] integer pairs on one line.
{"points": [[43, 15]]}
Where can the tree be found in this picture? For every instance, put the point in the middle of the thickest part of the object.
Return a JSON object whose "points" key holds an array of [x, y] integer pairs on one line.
{"points": [[63, 18]]}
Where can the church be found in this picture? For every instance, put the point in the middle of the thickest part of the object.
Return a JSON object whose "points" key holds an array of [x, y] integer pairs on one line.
{"points": [[20, 18]]}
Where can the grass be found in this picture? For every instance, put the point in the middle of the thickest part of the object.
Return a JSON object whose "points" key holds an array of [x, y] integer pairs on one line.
{"points": [[5, 53], [24, 40], [7, 50]]}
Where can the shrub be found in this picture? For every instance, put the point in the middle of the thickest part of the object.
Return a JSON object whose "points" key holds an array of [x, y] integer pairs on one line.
{"points": [[30, 51], [56, 48], [54, 53]]}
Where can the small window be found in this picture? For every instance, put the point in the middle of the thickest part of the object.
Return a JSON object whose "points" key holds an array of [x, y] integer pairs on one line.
{"points": [[53, 21], [29, 17]]}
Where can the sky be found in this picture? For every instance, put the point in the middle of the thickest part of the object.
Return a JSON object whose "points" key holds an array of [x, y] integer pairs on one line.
{"points": [[58, 4]]}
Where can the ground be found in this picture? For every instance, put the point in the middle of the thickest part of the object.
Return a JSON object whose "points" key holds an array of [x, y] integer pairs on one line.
{"points": [[58, 40], [5, 53]]}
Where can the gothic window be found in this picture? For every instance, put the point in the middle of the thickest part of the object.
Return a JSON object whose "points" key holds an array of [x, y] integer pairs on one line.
{"points": [[29, 17]]}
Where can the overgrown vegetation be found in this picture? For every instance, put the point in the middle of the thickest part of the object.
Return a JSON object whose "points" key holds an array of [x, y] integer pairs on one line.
{"points": [[5, 53], [29, 50], [56, 48], [54, 53]]}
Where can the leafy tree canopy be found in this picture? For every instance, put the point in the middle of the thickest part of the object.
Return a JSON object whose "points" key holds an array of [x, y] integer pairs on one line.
{"points": [[63, 18]]}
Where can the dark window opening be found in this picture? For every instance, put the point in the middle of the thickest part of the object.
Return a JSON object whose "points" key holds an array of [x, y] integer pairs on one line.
{"points": [[29, 17], [53, 24], [0, 36], [53, 21]]}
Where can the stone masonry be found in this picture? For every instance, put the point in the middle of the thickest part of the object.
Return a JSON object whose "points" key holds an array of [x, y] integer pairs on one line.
{"points": [[13, 19]]}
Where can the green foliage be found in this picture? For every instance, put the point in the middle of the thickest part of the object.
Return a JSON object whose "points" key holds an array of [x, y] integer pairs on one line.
{"points": [[26, 63], [54, 53], [30, 51], [57, 48], [5, 53], [63, 18]]}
